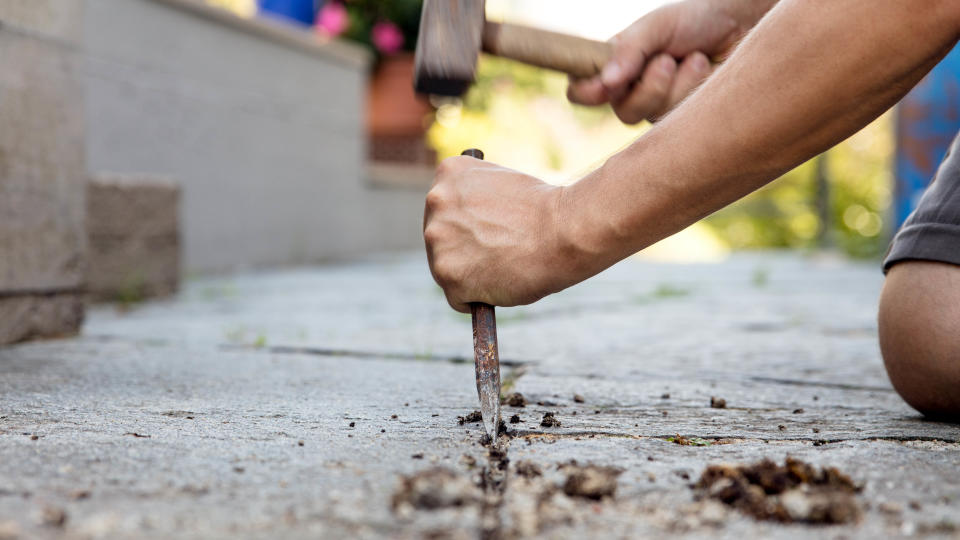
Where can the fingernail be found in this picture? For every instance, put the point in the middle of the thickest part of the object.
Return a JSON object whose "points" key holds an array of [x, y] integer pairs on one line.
{"points": [[700, 63], [611, 74], [665, 65]]}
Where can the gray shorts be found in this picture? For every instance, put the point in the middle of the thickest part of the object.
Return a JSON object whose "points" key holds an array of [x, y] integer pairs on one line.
{"points": [[932, 232]]}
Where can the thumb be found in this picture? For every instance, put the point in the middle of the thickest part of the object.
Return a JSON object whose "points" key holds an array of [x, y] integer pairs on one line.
{"points": [[632, 48]]}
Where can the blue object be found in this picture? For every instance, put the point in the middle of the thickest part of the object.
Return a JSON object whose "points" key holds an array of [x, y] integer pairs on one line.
{"points": [[928, 119], [301, 11]]}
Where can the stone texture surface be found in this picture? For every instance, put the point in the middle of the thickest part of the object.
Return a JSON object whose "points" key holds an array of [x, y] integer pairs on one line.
{"points": [[41, 155], [266, 140], [42, 169], [28, 316], [184, 417], [133, 237]]}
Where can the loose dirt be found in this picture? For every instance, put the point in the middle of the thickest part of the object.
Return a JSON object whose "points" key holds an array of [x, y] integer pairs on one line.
{"points": [[515, 399], [591, 481], [475, 416], [549, 420], [434, 488], [792, 492]]}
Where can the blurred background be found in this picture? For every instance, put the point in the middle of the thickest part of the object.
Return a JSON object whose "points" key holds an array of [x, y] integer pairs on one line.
{"points": [[848, 200], [148, 140]]}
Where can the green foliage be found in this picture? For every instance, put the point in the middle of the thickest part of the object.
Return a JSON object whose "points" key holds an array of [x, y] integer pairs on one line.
{"points": [[520, 115], [366, 13], [783, 214]]}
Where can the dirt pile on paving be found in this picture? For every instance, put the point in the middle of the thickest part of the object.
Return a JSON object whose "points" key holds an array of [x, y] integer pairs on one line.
{"points": [[792, 492], [549, 420], [515, 399], [432, 489], [470, 418], [591, 481]]}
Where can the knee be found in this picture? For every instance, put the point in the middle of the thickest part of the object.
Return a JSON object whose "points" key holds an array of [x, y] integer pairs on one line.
{"points": [[919, 324]]}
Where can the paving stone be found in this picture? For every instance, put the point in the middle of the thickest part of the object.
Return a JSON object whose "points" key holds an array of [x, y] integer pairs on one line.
{"points": [[290, 356], [30, 316]]}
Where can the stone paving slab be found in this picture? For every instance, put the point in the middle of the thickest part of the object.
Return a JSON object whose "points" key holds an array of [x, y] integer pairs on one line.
{"points": [[235, 371]]}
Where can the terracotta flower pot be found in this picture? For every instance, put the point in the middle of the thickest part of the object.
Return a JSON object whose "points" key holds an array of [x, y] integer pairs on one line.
{"points": [[393, 109]]}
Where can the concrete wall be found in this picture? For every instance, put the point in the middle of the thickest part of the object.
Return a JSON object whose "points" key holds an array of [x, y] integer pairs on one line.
{"points": [[262, 127], [42, 171]]}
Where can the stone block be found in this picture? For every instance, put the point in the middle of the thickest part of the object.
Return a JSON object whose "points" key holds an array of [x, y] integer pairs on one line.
{"points": [[42, 169], [60, 20], [30, 316], [133, 237], [42, 166]]}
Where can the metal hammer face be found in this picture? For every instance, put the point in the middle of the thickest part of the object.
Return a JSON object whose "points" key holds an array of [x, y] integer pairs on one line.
{"points": [[448, 46]]}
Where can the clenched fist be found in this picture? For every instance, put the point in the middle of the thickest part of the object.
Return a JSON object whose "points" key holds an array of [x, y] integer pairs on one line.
{"points": [[662, 57], [495, 235]]}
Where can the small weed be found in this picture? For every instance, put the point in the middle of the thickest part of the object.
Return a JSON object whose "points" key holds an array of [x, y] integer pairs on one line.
{"points": [[761, 276], [666, 290], [689, 441], [261, 341]]}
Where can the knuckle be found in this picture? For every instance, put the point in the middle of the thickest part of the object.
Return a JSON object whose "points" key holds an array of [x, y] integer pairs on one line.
{"points": [[434, 199], [430, 235], [444, 168]]}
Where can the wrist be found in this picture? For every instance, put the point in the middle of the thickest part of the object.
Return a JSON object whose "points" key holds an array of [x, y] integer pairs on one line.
{"points": [[590, 238]]}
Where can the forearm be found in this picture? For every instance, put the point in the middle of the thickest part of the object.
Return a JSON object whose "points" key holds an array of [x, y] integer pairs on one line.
{"points": [[745, 12], [809, 75]]}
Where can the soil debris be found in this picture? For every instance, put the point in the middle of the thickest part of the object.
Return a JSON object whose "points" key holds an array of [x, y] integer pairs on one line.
{"points": [[352, 424], [515, 399], [434, 488], [547, 403], [549, 420], [578, 398], [137, 435], [591, 481], [793, 492], [718, 403], [53, 516], [475, 416], [34, 437], [418, 455], [798, 411], [528, 469], [664, 396], [515, 419], [688, 441]]}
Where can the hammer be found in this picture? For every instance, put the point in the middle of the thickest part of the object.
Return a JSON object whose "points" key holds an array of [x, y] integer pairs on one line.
{"points": [[452, 33]]}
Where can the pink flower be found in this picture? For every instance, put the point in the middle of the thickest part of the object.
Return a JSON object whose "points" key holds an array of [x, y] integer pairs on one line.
{"points": [[332, 19], [386, 37]]}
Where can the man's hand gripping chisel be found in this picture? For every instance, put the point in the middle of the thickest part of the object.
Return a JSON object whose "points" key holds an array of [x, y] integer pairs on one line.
{"points": [[485, 355]]}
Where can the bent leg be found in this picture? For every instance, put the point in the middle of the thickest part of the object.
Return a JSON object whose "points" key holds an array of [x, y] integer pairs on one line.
{"points": [[920, 335]]}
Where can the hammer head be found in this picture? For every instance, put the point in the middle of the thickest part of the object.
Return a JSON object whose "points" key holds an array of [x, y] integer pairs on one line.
{"points": [[448, 46]]}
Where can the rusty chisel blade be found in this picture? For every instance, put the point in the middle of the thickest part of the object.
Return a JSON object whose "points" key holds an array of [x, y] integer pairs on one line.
{"points": [[487, 360]]}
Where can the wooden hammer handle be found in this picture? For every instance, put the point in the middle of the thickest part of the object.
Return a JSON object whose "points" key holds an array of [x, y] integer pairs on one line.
{"points": [[576, 56]]}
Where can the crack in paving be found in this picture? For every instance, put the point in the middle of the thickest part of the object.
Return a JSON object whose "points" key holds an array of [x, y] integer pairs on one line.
{"points": [[823, 384], [493, 482], [360, 354], [530, 435], [319, 351]]}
